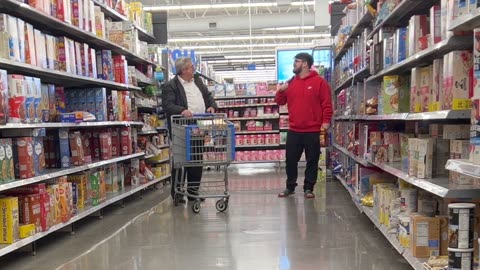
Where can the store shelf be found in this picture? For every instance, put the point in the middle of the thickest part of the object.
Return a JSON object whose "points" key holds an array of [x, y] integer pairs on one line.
{"points": [[257, 146], [255, 118], [416, 263], [247, 105], [402, 13], [463, 167], [355, 198], [53, 173], [162, 128], [357, 77], [61, 78], [446, 114], [110, 12], [255, 161], [237, 97], [111, 199], [284, 128], [391, 238], [426, 56], [54, 26], [158, 161], [356, 31], [466, 22], [148, 132], [357, 159], [257, 132], [70, 125]]}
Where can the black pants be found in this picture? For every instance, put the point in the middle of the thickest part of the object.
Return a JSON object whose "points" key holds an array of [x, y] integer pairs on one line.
{"points": [[193, 176], [297, 142]]}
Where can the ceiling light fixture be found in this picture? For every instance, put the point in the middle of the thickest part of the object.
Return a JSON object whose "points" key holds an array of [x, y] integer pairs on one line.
{"points": [[236, 52], [229, 38], [223, 6], [263, 45]]}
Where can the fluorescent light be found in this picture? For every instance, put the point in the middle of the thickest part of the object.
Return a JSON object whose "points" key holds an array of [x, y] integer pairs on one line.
{"points": [[248, 45], [289, 28], [240, 61], [249, 56], [223, 6], [235, 51], [245, 37]]}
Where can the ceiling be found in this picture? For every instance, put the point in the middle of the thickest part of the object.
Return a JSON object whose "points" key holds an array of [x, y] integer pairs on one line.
{"points": [[230, 34]]}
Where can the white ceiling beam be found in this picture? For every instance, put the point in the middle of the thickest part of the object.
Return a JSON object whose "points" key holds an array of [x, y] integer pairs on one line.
{"points": [[221, 6]]}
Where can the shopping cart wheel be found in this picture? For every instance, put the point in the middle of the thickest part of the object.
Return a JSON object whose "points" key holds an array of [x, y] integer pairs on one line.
{"points": [[221, 205], [196, 207]]}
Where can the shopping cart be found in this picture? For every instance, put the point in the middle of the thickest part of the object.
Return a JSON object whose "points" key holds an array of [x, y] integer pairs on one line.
{"points": [[200, 141]]}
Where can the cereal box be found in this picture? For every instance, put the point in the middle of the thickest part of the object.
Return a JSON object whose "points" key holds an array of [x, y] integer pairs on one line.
{"points": [[40, 49], [436, 96], [45, 210], [476, 63], [3, 96], [29, 210], [23, 154], [30, 100], [126, 141], [17, 111], [79, 182], [8, 170], [121, 69], [116, 148], [95, 188], [390, 94], [426, 82], [103, 187], [415, 101], [458, 67], [65, 201], [10, 220], [101, 104], [30, 56], [76, 148], [37, 100], [38, 155], [63, 55], [55, 207], [105, 145], [64, 149], [26, 230]]}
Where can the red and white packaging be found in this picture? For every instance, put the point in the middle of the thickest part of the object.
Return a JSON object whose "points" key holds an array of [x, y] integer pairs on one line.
{"points": [[105, 146], [17, 111], [115, 142], [24, 157], [261, 139], [126, 141], [253, 140], [76, 148], [435, 25]]}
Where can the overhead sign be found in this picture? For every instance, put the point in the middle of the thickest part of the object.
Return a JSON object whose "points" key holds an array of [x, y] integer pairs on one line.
{"points": [[252, 66]]}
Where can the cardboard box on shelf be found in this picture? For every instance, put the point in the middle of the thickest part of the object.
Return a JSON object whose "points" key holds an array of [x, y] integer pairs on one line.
{"points": [[425, 236], [458, 67], [415, 101], [9, 215], [436, 96], [425, 158], [23, 155]]}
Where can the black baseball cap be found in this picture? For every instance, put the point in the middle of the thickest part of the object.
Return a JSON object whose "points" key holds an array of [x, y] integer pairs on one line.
{"points": [[305, 57]]}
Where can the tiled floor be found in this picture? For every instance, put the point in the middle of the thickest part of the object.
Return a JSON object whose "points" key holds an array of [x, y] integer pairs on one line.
{"points": [[258, 232]]}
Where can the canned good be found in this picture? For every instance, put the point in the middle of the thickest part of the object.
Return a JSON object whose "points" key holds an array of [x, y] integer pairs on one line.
{"points": [[461, 225], [460, 259]]}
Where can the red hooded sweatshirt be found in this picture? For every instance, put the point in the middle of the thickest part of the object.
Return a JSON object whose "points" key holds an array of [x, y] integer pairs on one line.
{"points": [[309, 103]]}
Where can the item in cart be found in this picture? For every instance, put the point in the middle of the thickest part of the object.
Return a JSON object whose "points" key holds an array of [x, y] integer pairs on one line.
{"points": [[461, 225]]}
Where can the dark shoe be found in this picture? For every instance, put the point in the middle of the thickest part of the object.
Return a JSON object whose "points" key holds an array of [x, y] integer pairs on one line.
{"points": [[287, 192], [309, 194]]}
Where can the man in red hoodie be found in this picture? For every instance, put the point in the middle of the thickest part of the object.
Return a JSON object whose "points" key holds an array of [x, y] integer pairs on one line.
{"points": [[309, 102]]}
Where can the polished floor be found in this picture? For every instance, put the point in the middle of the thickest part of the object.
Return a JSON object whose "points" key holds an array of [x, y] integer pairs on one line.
{"points": [[258, 232]]}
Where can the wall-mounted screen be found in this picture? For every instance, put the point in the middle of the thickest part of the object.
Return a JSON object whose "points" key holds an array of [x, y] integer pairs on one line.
{"points": [[285, 57]]}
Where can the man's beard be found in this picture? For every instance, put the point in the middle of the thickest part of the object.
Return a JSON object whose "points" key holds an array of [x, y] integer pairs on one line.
{"points": [[296, 70]]}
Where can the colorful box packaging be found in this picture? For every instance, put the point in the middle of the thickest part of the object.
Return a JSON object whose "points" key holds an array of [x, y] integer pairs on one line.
{"points": [[415, 100], [17, 110], [101, 104], [38, 155], [426, 82], [390, 94], [23, 155], [41, 49], [458, 70], [64, 148], [76, 148], [126, 141], [30, 53], [9, 215], [26, 230], [29, 210], [3, 96]]}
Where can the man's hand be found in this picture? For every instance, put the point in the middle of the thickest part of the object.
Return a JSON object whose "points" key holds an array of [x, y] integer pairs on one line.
{"points": [[211, 110], [325, 126], [282, 87], [187, 113]]}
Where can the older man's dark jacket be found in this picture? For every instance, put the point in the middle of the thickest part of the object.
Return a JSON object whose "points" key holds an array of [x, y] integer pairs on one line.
{"points": [[174, 99]]}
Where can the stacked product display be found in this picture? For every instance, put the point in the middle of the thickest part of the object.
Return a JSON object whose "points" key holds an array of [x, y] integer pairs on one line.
{"points": [[71, 100], [405, 126], [252, 109]]}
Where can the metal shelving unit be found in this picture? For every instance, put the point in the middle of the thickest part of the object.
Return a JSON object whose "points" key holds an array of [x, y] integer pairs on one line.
{"points": [[70, 125], [276, 116], [257, 132], [439, 115], [43, 21], [258, 146], [111, 199], [62, 78], [357, 77], [466, 22], [463, 167], [356, 31], [244, 97], [53, 173], [426, 56], [357, 159], [158, 161]]}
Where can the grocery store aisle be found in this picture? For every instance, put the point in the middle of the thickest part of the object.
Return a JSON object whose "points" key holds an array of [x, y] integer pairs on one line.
{"points": [[259, 231]]}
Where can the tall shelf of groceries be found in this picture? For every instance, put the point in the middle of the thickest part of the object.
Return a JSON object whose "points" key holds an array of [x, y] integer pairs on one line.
{"points": [[406, 124], [77, 113], [258, 123]]}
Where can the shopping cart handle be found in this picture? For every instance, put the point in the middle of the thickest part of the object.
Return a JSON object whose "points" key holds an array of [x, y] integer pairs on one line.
{"points": [[203, 114]]}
